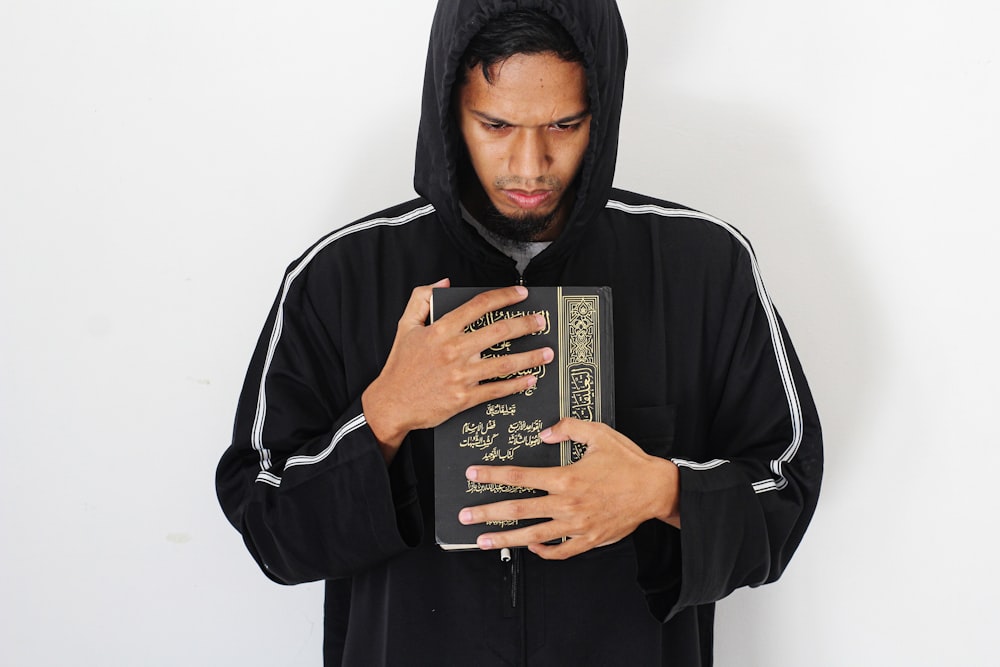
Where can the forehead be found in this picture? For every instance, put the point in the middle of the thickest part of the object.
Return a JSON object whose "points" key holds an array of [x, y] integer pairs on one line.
{"points": [[527, 89]]}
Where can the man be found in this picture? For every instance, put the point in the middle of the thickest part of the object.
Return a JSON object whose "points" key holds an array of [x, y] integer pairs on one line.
{"points": [[707, 484]]}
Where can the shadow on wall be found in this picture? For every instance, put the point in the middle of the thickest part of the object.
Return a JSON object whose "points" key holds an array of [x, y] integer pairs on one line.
{"points": [[742, 166]]}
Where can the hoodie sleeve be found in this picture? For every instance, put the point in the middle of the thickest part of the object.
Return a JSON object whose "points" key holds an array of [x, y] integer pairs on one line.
{"points": [[748, 494], [304, 480]]}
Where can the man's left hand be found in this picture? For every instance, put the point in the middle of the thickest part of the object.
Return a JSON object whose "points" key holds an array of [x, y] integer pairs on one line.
{"points": [[596, 501]]}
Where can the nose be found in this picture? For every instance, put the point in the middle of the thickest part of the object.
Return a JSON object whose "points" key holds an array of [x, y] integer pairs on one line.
{"points": [[529, 157]]}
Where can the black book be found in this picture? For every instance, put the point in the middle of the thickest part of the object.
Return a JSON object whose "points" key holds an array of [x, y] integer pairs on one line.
{"points": [[578, 383]]}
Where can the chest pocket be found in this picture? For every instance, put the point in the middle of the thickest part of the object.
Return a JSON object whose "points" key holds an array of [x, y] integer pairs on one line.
{"points": [[652, 428]]}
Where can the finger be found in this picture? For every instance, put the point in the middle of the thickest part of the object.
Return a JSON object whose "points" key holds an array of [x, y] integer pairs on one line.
{"points": [[491, 391], [418, 308], [532, 478], [484, 302], [561, 551], [510, 364], [504, 330], [573, 429], [538, 533], [518, 509]]}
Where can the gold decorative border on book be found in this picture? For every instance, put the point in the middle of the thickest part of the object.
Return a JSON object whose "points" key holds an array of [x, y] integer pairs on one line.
{"points": [[579, 335]]}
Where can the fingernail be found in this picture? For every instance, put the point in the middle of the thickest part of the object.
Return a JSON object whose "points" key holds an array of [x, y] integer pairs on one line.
{"points": [[471, 473], [465, 516], [520, 289], [548, 355], [546, 433], [532, 380], [484, 542], [540, 321]]}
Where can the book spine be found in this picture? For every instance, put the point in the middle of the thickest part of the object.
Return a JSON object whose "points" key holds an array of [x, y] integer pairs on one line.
{"points": [[580, 370], [564, 446]]}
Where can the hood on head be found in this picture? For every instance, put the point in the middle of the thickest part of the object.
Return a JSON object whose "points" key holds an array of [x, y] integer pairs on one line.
{"points": [[597, 29]]}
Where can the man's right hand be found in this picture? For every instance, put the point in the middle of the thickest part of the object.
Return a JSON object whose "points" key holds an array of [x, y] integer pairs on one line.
{"points": [[435, 371]]}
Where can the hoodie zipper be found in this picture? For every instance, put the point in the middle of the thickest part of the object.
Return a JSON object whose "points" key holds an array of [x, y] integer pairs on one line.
{"points": [[513, 604], [511, 559]]}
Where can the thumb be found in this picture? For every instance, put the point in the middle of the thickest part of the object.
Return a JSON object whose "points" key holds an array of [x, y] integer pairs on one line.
{"points": [[418, 308]]}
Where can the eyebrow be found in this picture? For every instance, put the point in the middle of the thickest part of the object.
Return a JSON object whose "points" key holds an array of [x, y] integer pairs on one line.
{"points": [[561, 121]]}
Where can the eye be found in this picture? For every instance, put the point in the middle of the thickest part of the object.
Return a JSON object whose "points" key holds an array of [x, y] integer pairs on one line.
{"points": [[494, 127], [565, 127]]}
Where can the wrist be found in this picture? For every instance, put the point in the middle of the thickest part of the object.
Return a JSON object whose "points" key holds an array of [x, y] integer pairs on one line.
{"points": [[379, 415], [665, 505]]}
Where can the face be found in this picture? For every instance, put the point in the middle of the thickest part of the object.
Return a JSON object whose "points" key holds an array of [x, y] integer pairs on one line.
{"points": [[526, 134]]}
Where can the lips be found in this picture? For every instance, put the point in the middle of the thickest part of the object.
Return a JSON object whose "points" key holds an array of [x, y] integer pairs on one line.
{"points": [[528, 200]]}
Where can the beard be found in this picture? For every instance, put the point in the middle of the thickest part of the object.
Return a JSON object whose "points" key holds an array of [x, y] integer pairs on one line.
{"points": [[526, 226], [517, 230], [520, 230]]}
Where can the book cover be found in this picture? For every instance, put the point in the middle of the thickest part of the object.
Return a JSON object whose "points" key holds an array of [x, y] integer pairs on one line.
{"points": [[578, 383]]}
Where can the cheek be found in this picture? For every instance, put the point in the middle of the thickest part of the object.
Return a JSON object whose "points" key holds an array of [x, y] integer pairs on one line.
{"points": [[577, 151], [474, 145], [487, 158]]}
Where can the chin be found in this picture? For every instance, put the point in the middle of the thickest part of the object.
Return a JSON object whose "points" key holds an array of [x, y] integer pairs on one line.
{"points": [[533, 214], [520, 226]]}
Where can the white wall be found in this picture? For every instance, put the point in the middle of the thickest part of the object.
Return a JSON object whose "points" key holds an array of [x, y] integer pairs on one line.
{"points": [[161, 162]]}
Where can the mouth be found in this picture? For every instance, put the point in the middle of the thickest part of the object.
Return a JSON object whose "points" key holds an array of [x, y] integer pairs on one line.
{"points": [[528, 200]]}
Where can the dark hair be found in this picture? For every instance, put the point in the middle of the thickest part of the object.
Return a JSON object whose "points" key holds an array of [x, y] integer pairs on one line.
{"points": [[529, 31]]}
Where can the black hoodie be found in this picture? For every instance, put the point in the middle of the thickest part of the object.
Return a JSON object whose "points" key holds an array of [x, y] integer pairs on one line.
{"points": [[704, 374]]}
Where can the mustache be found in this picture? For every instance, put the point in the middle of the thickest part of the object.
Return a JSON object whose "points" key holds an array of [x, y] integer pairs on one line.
{"points": [[541, 183]]}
